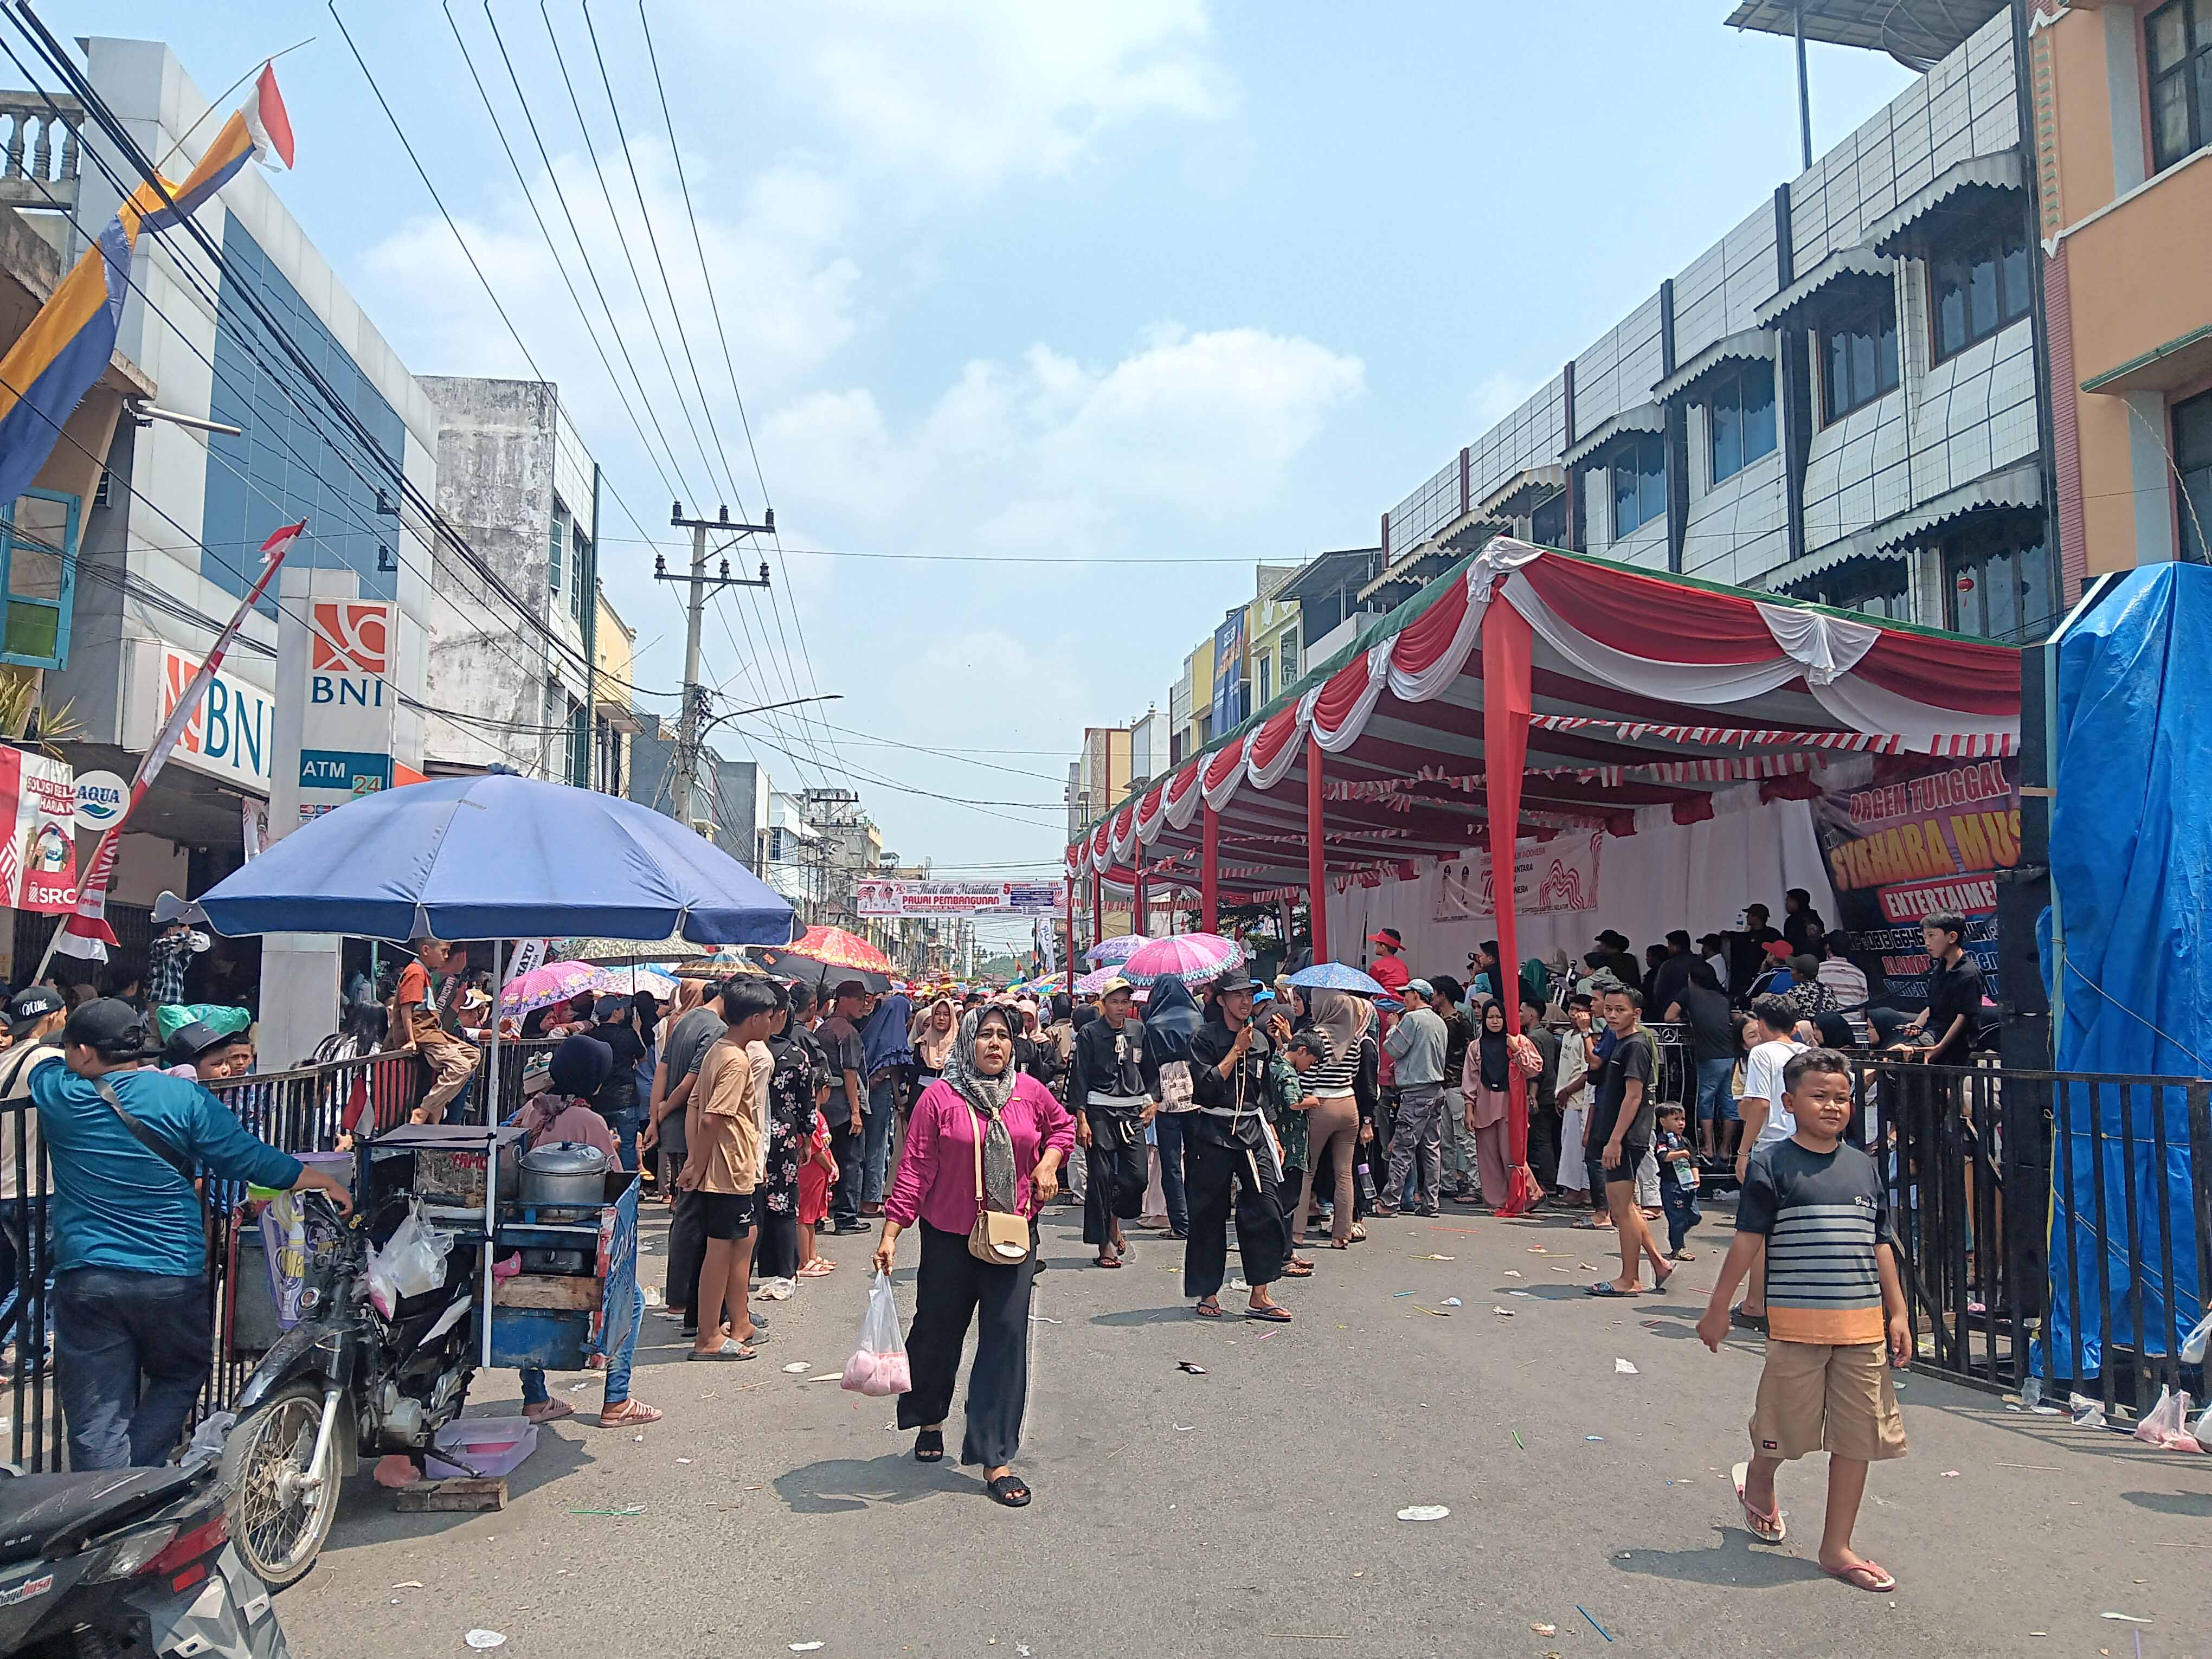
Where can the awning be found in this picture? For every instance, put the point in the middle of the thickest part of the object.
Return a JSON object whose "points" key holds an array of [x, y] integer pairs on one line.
{"points": [[1918, 34], [1524, 492], [1752, 345], [1644, 417], [1845, 269], [1963, 189], [2020, 486], [1817, 563], [1646, 691], [2180, 361]]}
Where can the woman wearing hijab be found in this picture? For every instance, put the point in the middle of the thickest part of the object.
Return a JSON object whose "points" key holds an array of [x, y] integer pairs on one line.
{"points": [[1172, 1018], [1487, 1081], [1108, 1092], [1332, 1112], [564, 1111], [935, 1027], [982, 1124], [790, 1143]]}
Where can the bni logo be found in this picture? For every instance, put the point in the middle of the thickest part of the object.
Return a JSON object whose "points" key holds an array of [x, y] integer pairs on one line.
{"points": [[352, 637]]}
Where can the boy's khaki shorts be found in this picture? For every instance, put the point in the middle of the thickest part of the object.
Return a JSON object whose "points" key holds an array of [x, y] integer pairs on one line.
{"points": [[1813, 1397]]}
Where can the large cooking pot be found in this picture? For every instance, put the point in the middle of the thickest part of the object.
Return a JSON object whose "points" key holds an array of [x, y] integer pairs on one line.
{"points": [[564, 1175]]}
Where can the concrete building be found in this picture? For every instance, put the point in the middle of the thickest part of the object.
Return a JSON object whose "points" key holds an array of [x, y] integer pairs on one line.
{"points": [[1836, 401], [514, 478], [1100, 775], [741, 812], [614, 719], [2125, 137], [797, 855], [652, 779], [851, 847], [174, 526], [1149, 746]]}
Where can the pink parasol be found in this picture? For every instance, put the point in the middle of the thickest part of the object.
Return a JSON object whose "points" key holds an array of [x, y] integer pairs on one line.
{"points": [[1193, 958], [541, 988]]}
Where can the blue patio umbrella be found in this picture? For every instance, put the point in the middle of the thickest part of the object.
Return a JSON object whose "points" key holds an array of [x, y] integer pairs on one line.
{"points": [[498, 856], [1335, 977]]}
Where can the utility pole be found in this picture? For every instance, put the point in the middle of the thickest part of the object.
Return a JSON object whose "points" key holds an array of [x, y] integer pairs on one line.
{"points": [[691, 721]]}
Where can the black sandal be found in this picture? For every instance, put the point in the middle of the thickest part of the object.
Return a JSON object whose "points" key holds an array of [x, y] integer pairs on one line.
{"points": [[1008, 1489], [929, 1446]]}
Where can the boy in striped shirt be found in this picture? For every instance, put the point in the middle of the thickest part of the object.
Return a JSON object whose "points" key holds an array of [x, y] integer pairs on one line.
{"points": [[1811, 1209]]}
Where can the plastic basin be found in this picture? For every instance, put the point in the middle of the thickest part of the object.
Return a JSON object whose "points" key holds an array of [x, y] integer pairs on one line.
{"points": [[492, 1446]]}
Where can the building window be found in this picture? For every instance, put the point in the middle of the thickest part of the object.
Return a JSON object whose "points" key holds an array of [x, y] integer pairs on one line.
{"points": [[1640, 483], [1859, 355], [2180, 41], [1741, 408], [1548, 525], [1999, 579], [1979, 290], [1288, 651], [38, 575], [580, 570], [1266, 681], [1874, 587], [558, 556], [2192, 459]]}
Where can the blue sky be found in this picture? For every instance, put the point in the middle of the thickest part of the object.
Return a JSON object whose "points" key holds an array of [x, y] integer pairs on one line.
{"points": [[1152, 280]]}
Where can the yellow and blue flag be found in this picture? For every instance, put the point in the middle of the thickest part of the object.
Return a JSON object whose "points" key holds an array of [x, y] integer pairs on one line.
{"points": [[69, 342]]}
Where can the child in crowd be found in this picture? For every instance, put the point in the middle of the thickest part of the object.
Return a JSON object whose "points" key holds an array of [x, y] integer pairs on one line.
{"points": [[815, 1175], [1678, 1179], [1812, 1208]]}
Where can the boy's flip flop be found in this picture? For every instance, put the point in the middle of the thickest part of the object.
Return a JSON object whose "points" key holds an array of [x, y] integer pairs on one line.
{"points": [[1767, 1528], [1864, 1574], [1606, 1287]]}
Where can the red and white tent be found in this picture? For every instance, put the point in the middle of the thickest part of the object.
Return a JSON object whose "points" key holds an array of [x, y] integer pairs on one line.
{"points": [[1547, 691]]}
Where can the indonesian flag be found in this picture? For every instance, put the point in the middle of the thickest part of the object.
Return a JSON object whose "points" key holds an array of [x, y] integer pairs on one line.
{"points": [[86, 934], [267, 120]]}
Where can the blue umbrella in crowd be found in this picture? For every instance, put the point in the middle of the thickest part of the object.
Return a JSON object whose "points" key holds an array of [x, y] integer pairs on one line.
{"points": [[498, 856], [1335, 977]]}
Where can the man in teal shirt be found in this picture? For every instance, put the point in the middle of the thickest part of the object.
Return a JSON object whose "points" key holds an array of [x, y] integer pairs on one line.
{"points": [[131, 1332]]}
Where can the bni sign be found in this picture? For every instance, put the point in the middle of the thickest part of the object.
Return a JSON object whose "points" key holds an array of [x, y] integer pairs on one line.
{"points": [[346, 741]]}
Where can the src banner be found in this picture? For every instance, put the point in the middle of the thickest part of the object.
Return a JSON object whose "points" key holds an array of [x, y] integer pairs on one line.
{"points": [[37, 810], [1548, 876], [956, 898], [1921, 841]]}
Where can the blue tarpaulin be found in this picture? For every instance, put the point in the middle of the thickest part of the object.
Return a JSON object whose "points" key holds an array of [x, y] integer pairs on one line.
{"points": [[2130, 861]]}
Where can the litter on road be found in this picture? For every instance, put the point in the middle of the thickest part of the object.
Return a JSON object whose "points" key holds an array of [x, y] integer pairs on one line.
{"points": [[796, 1368], [1192, 1366], [1545, 1630], [1182, 1428], [1623, 1368], [1594, 1624], [1516, 1440], [634, 1508], [409, 1584], [1453, 1302], [484, 1639], [1422, 1512], [1503, 1313], [2127, 1618], [805, 1647]]}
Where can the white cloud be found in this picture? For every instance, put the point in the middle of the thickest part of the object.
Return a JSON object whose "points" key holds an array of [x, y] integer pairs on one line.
{"points": [[978, 91], [1053, 452], [1495, 396]]}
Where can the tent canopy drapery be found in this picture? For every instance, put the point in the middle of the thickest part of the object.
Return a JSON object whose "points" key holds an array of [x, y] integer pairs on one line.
{"points": [[1618, 688]]}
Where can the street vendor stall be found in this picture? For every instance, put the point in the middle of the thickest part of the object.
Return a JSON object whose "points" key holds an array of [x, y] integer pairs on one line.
{"points": [[1530, 694], [507, 1264]]}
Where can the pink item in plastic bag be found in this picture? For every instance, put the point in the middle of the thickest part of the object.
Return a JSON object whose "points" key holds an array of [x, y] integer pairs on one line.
{"points": [[2166, 1426], [878, 1365]]}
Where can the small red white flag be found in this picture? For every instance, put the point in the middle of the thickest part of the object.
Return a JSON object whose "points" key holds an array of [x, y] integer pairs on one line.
{"points": [[266, 119]]}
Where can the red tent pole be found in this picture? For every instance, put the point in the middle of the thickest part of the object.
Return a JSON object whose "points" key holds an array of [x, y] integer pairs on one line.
{"points": [[1071, 936], [1507, 703], [1143, 908], [1098, 906], [1316, 861], [1209, 874]]}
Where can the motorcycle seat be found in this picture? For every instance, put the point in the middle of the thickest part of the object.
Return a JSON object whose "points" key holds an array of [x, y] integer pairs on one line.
{"points": [[54, 1514]]}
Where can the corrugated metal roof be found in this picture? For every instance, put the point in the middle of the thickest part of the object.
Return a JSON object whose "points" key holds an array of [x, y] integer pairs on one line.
{"points": [[2016, 487], [1849, 265], [1644, 417], [1916, 32], [1752, 345], [1906, 230]]}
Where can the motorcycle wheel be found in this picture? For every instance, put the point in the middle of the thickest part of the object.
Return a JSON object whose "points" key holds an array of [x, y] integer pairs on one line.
{"points": [[277, 1520]]}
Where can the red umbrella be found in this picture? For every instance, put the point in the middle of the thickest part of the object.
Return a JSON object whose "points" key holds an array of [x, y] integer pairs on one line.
{"points": [[827, 953]]}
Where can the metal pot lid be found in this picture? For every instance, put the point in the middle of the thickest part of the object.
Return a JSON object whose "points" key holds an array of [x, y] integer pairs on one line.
{"points": [[565, 1158]]}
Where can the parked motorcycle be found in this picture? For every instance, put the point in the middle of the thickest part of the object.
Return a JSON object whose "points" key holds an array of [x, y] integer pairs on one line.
{"points": [[133, 1563], [344, 1382]]}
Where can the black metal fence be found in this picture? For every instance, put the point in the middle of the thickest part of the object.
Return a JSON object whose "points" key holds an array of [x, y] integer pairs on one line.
{"points": [[2038, 1218]]}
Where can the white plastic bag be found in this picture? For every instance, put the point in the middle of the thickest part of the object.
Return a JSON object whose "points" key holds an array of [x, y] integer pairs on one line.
{"points": [[2203, 1429], [2166, 1426], [879, 1365], [411, 1263], [2194, 1345]]}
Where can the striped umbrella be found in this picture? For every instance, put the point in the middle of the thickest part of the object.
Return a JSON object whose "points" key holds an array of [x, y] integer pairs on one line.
{"points": [[628, 982], [1095, 981], [1193, 958], [1335, 977]]}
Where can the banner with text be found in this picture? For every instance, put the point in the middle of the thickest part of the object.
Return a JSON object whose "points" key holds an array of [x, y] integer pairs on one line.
{"points": [[1548, 876], [37, 810], [956, 898], [1923, 839]]}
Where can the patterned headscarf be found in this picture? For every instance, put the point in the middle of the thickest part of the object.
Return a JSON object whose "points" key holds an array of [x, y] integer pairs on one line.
{"points": [[989, 1096]]}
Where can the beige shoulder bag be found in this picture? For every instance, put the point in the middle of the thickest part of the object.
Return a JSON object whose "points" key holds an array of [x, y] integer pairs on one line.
{"points": [[997, 1236]]}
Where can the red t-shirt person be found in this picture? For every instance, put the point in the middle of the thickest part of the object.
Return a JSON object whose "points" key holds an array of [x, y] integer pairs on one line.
{"points": [[1389, 969]]}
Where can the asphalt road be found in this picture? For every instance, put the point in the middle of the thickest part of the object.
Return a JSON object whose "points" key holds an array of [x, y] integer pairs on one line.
{"points": [[1253, 1511]]}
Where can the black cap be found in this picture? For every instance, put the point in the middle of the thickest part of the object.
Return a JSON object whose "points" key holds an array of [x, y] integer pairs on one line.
{"points": [[850, 988], [31, 1006], [608, 1006], [194, 1038], [109, 1026], [1234, 981]]}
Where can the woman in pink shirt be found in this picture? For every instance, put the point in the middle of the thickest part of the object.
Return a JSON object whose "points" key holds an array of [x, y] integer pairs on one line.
{"points": [[1024, 1135]]}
